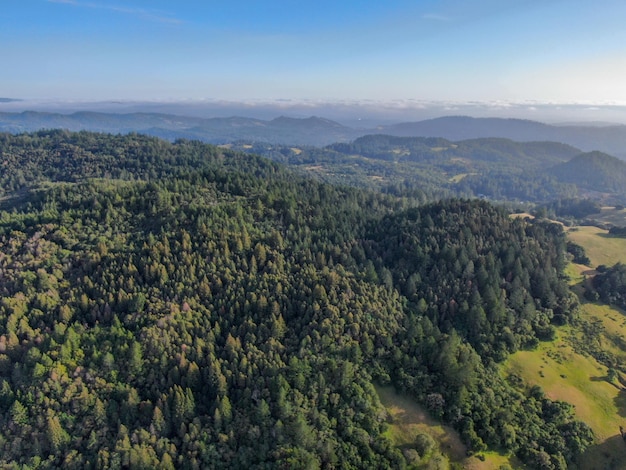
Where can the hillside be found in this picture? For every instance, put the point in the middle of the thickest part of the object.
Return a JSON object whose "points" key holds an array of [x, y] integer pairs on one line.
{"points": [[498, 169], [594, 171], [492, 151], [180, 306]]}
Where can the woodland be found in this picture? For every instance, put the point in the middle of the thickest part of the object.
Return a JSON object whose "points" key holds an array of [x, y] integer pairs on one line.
{"points": [[518, 174], [180, 305]]}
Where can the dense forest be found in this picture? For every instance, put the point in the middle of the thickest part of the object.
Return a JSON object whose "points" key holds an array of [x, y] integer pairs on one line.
{"points": [[595, 171], [179, 305]]}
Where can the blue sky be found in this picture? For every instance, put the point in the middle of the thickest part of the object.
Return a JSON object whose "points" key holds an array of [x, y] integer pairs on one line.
{"points": [[509, 50]]}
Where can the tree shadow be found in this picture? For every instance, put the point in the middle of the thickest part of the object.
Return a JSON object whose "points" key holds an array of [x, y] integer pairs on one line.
{"points": [[609, 235], [609, 455], [605, 378], [620, 404]]}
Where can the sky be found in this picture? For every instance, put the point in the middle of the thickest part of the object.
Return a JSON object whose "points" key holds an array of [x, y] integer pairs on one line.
{"points": [[498, 51]]}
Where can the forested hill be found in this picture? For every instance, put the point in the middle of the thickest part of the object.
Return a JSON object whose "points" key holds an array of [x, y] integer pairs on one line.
{"points": [[502, 152], [595, 171], [182, 306], [499, 169]]}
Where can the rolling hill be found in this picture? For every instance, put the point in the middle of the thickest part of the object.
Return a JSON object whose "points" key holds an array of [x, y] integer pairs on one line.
{"points": [[595, 171]]}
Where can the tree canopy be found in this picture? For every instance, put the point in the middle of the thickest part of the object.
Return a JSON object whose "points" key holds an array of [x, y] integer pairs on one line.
{"points": [[184, 306]]}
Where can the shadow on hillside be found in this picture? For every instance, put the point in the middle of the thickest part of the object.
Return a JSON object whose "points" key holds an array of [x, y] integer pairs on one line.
{"points": [[611, 454], [607, 379], [620, 404], [608, 235], [602, 378]]}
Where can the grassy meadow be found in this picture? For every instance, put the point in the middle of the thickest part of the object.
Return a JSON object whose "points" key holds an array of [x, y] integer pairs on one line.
{"points": [[601, 248], [611, 215], [577, 378], [407, 419]]}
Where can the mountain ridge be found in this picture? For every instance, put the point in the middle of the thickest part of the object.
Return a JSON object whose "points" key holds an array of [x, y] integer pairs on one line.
{"points": [[318, 131]]}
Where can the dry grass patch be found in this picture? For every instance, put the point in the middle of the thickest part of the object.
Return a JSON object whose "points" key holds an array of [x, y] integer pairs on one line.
{"points": [[458, 178], [408, 419], [522, 215]]}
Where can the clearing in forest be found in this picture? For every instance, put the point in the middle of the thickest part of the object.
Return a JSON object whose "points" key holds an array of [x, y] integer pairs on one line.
{"points": [[408, 419], [601, 247]]}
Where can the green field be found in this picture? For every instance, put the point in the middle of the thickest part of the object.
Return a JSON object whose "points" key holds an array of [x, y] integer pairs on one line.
{"points": [[579, 379], [601, 248], [458, 178]]}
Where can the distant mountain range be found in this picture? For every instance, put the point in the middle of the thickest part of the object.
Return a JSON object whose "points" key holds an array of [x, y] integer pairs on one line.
{"points": [[284, 130], [610, 139], [318, 131]]}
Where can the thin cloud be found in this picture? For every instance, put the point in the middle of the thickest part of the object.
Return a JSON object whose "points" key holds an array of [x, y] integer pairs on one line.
{"points": [[436, 17], [137, 12]]}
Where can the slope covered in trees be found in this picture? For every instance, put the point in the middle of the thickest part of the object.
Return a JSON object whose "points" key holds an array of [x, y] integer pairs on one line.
{"points": [[493, 151], [498, 169], [179, 305], [596, 171]]}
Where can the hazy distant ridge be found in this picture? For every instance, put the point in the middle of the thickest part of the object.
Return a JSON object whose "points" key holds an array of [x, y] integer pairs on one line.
{"points": [[285, 130], [610, 139], [318, 131]]}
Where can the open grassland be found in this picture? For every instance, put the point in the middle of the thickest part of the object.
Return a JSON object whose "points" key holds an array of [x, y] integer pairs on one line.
{"points": [[566, 375], [408, 419], [613, 335], [522, 215], [576, 273], [600, 400], [601, 248], [579, 379], [611, 215]]}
